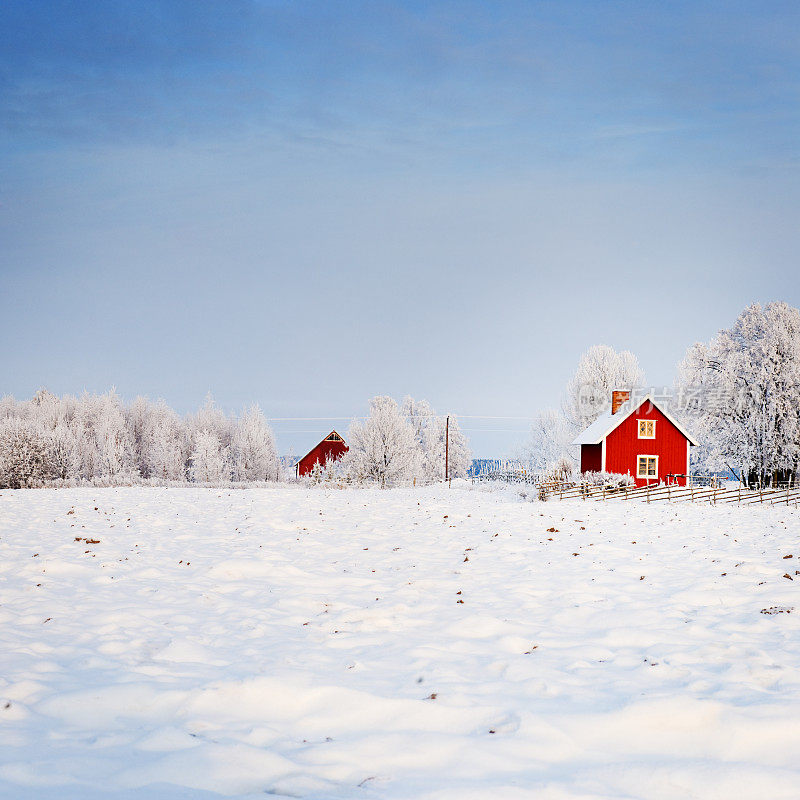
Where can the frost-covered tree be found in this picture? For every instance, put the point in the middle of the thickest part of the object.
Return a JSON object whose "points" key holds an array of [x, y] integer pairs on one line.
{"points": [[253, 448], [8, 407], [424, 422], [383, 447], [165, 444], [137, 418], [600, 370], [316, 475], [211, 418], [457, 457], [104, 444], [430, 434], [418, 413], [740, 395], [333, 470], [63, 459], [460, 451], [23, 454], [207, 462], [50, 421], [549, 445], [49, 411]]}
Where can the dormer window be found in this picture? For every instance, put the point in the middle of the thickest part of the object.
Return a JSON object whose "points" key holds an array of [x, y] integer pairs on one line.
{"points": [[647, 429]]}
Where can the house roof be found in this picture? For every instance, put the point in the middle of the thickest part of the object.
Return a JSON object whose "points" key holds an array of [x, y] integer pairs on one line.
{"points": [[607, 422]]}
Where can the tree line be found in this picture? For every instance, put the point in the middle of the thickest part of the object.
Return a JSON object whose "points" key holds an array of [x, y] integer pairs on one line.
{"points": [[98, 439]]}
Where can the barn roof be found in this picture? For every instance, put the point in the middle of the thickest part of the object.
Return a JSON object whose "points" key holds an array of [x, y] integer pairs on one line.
{"points": [[607, 422], [312, 440]]}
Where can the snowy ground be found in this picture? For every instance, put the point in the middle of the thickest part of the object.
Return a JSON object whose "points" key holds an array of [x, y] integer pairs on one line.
{"points": [[313, 643]]}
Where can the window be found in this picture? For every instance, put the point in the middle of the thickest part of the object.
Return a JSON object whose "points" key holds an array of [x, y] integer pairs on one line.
{"points": [[647, 429], [334, 437], [647, 467]]}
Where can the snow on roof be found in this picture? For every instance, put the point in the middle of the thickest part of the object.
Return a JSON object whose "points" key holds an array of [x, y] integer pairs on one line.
{"points": [[600, 428], [607, 422]]}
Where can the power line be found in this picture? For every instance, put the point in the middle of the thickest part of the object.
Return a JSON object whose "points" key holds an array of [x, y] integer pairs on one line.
{"points": [[496, 430], [307, 419], [410, 416], [479, 416]]}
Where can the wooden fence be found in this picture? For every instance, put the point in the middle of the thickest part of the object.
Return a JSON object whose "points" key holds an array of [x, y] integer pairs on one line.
{"points": [[700, 489], [511, 476], [787, 495]]}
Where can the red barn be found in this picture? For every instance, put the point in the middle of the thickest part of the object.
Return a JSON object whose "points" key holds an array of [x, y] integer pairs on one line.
{"points": [[637, 438], [332, 446]]}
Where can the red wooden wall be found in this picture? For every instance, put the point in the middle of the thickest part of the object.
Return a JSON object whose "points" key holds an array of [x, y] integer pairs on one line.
{"points": [[623, 445], [322, 452]]}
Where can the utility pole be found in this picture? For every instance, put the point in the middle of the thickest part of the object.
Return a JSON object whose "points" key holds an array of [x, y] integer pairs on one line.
{"points": [[447, 449]]}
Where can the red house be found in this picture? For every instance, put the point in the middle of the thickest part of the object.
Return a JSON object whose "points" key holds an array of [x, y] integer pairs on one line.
{"points": [[332, 446], [637, 438]]}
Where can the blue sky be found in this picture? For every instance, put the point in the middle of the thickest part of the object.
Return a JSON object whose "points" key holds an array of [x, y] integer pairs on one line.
{"points": [[306, 204]]}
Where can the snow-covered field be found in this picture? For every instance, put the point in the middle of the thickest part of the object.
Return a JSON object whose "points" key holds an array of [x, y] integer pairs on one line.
{"points": [[437, 643]]}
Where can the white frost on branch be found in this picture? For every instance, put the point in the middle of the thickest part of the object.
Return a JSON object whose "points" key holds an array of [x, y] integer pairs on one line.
{"points": [[207, 461], [600, 370], [383, 448], [253, 448], [96, 438], [740, 395], [431, 435], [549, 443], [587, 395]]}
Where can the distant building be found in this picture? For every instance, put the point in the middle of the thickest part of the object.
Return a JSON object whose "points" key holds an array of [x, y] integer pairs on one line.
{"points": [[483, 466], [487, 466], [331, 447], [639, 439]]}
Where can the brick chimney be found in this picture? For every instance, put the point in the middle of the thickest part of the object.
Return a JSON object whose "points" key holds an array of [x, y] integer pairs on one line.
{"points": [[618, 397]]}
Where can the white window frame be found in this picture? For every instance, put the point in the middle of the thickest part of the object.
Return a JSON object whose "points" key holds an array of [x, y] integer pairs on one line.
{"points": [[646, 476], [639, 428]]}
